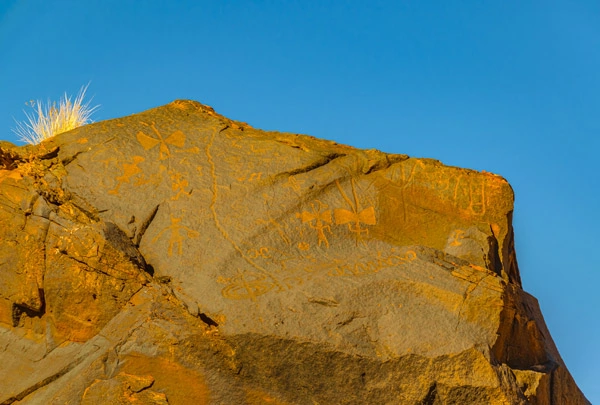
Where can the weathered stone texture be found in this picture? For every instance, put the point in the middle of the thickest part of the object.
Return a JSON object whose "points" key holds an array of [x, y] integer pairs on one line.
{"points": [[176, 256]]}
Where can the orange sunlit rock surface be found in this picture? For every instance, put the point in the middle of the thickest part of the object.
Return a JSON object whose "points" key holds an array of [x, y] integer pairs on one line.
{"points": [[176, 256]]}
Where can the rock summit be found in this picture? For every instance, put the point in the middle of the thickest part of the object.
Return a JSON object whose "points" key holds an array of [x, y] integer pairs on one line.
{"points": [[179, 257]]}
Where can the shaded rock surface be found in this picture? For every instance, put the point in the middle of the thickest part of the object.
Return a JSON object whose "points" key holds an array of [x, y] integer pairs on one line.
{"points": [[179, 257]]}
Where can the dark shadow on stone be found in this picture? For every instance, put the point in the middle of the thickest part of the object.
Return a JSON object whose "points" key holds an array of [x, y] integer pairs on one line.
{"points": [[19, 309], [432, 396], [207, 320], [8, 157], [119, 240]]}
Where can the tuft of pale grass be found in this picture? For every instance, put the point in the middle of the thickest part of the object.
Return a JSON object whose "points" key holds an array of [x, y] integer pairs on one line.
{"points": [[52, 119]]}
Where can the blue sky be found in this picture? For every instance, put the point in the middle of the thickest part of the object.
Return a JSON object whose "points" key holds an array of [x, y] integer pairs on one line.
{"points": [[510, 87]]}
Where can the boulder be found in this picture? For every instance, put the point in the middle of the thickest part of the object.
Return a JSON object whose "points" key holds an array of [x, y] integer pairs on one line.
{"points": [[177, 256]]}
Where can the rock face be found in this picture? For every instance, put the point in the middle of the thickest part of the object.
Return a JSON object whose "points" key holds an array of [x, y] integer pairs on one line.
{"points": [[179, 257]]}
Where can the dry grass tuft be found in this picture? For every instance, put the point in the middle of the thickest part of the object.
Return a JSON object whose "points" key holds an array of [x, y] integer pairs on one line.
{"points": [[51, 119]]}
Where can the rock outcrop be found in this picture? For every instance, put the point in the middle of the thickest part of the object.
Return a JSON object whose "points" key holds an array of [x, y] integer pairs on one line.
{"points": [[179, 257]]}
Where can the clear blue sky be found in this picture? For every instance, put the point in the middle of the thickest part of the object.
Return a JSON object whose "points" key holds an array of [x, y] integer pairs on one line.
{"points": [[510, 87]]}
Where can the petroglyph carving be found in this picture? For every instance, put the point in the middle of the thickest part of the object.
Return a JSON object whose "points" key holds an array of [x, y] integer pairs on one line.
{"points": [[405, 173], [254, 149], [231, 159], [109, 161], [215, 196], [319, 220], [245, 285], [457, 236], [195, 150], [133, 174], [304, 246], [294, 184], [177, 138], [154, 179], [261, 252], [466, 193], [179, 185], [400, 178], [129, 170], [252, 177], [295, 271], [356, 216], [278, 228], [372, 266], [179, 233], [476, 190]]}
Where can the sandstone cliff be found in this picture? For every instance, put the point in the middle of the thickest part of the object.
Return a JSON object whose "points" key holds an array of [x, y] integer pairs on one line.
{"points": [[176, 256]]}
